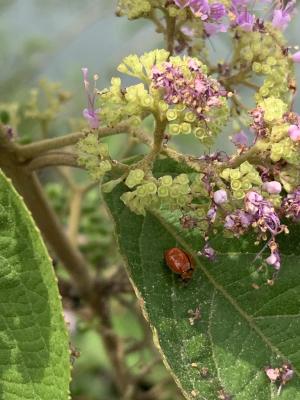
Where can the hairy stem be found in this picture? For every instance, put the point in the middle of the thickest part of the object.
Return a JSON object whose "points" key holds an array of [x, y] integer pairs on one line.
{"points": [[52, 159], [31, 150], [75, 213], [170, 34]]}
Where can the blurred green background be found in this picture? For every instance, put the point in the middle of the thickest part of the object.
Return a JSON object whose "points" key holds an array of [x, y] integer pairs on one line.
{"points": [[53, 39]]}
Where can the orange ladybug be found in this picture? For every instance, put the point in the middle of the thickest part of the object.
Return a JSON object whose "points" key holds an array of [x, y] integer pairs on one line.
{"points": [[180, 262]]}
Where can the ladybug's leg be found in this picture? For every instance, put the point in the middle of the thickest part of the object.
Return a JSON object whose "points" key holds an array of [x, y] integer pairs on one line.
{"points": [[187, 275]]}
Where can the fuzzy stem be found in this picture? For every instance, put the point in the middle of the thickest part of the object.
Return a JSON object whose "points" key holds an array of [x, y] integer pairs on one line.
{"points": [[75, 213], [170, 34], [52, 159], [31, 150]]}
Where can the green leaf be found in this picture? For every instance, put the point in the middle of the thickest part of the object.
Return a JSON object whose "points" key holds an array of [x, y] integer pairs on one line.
{"points": [[34, 349], [241, 331]]}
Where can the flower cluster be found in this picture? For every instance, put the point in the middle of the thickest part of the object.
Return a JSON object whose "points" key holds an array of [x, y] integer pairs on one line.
{"points": [[194, 99], [291, 205], [241, 179], [257, 187], [220, 16], [150, 192], [94, 156]]}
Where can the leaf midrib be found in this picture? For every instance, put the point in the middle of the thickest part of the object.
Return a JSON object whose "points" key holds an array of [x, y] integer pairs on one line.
{"points": [[219, 287]]}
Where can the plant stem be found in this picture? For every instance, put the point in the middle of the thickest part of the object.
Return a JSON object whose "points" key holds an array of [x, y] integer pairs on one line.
{"points": [[37, 148], [170, 34], [51, 159], [75, 213]]}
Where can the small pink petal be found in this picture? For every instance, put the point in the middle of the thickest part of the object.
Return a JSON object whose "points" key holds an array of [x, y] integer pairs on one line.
{"points": [[272, 187], [272, 373], [296, 57], [294, 133]]}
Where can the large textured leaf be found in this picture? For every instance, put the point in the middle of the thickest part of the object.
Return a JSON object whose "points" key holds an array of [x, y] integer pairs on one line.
{"points": [[34, 351], [242, 329]]}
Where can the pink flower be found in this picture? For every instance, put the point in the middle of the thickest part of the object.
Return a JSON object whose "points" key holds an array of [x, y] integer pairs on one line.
{"points": [[296, 57], [272, 187], [212, 29], [294, 133], [208, 252], [282, 16], [220, 197], [273, 374], [291, 205], [89, 113], [274, 260], [240, 139]]}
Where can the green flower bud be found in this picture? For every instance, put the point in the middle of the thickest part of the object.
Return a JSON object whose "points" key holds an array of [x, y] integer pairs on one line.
{"points": [[181, 201], [151, 188], [256, 67], [103, 150], [254, 178], [174, 129], [182, 179], [271, 61], [238, 194], [200, 133], [246, 167], [180, 107], [235, 174], [273, 108], [105, 166], [225, 174], [201, 212], [246, 185], [276, 152], [184, 189], [171, 115], [134, 177], [141, 191], [190, 117], [235, 185], [163, 191], [163, 106], [147, 101], [174, 191], [185, 128], [166, 180]]}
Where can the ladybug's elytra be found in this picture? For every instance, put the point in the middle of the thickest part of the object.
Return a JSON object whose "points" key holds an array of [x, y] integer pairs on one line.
{"points": [[180, 262]]}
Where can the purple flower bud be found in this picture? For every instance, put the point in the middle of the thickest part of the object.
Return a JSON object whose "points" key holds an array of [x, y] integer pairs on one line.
{"points": [[272, 187], [273, 374], [240, 139], [211, 214], [294, 133], [282, 16], [90, 114], [238, 222], [217, 11], [274, 260], [200, 8], [220, 197], [212, 29], [252, 202], [246, 21], [91, 117], [208, 252], [291, 205], [296, 57], [287, 373]]}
